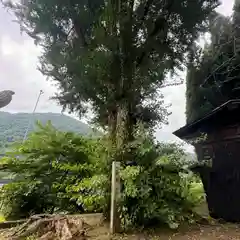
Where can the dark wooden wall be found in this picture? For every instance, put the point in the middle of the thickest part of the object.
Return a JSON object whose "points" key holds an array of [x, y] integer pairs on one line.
{"points": [[222, 182]]}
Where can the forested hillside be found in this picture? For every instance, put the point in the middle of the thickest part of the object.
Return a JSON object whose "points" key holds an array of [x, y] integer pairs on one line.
{"points": [[13, 126]]}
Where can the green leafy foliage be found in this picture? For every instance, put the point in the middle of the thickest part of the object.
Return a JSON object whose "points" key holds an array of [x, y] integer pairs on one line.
{"points": [[63, 172], [213, 72], [113, 56], [90, 193], [48, 158], [159, 189]]}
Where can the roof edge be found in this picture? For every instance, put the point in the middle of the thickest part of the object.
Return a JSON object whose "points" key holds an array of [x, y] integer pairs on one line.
{"points": [[180, 132]]}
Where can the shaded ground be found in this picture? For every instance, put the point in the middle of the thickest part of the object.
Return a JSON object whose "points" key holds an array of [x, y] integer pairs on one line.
{"points": [[99, 231], [197, 232], [225, 232]]}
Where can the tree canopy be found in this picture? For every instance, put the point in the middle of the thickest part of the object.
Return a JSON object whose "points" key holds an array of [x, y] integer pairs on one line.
{"points": [[213, 73], [113, 56]]}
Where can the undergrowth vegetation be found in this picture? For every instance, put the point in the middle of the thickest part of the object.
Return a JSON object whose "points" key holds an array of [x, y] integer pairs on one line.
{"points": [[64, 172]]}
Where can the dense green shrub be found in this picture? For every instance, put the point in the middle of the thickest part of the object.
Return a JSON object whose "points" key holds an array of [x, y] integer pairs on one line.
{"points": [[44, 167], [60, 171], [159, 189]]}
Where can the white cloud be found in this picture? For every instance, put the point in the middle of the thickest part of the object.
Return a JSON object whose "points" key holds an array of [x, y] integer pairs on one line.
{"points": [[226, 7], [18, 72]]}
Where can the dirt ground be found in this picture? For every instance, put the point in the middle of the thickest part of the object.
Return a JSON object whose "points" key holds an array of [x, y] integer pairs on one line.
{"points": [[214, 231], [99, 231], [197, 232], [224, 232], [204, 232]]}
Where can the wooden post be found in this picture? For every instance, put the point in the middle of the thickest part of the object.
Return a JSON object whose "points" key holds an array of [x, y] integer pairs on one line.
{"points": [[115, 222]]}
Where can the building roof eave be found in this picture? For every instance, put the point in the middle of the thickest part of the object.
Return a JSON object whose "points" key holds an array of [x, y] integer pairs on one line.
{"points": [[185, 131]]}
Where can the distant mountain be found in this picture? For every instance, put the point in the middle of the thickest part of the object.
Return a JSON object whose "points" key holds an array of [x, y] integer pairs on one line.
{"points": [[13, 126]]}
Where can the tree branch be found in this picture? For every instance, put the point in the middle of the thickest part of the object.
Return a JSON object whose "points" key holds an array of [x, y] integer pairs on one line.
{"points": [[159, 25], [143, 17], [79, 31], [146, 10]]}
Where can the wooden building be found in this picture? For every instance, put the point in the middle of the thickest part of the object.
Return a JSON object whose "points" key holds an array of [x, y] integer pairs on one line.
{"points": [[220, 147]]}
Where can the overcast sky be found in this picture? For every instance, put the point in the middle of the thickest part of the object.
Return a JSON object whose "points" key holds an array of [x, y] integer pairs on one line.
{"points": [[18, 62]]}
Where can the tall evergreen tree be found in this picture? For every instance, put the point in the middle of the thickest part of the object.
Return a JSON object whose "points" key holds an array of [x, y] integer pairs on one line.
{"points": [[236, 18], [113, 55], [216, 76]]}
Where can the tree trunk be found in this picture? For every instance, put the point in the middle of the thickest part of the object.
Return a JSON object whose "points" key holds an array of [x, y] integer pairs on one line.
{"points": [[112, 122], [124, 131]]}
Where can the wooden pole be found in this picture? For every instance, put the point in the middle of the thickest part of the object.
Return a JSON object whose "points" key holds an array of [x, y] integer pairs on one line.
{"points": [[115, 222]]}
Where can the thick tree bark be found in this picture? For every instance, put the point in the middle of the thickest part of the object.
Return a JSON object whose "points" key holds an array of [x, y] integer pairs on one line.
{"points": [[124, 132], [122, 126], [112, 122]]}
